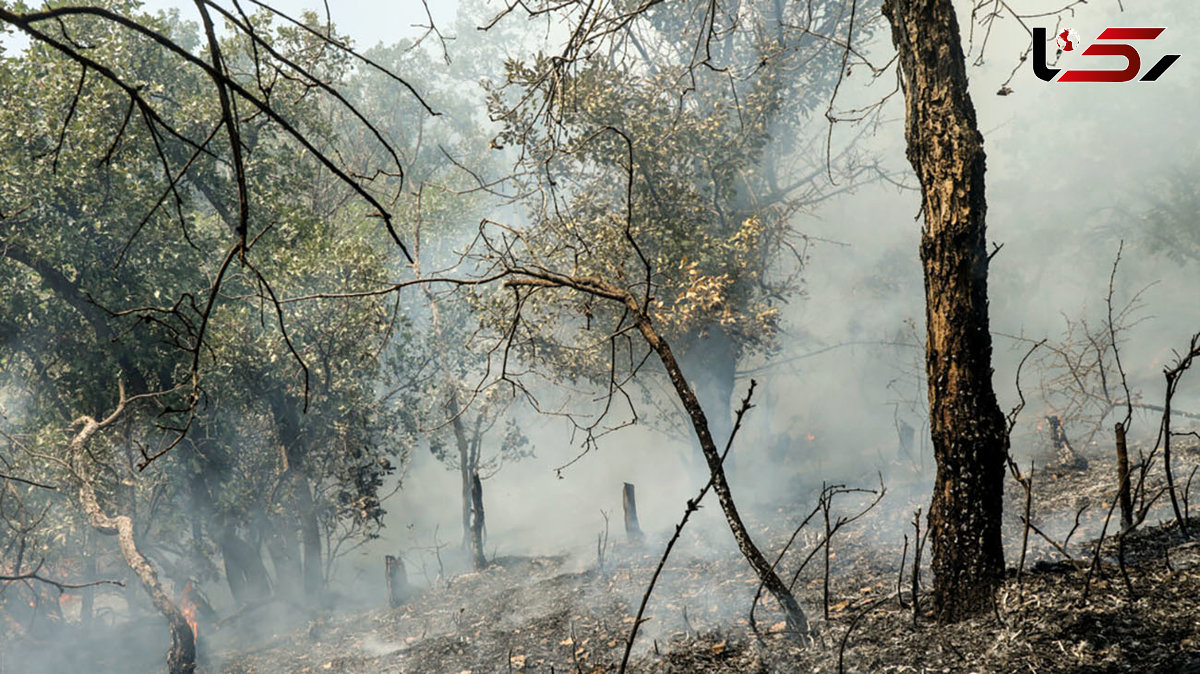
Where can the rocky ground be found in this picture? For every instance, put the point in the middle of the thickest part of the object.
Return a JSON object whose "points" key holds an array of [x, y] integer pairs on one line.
{"points": [[1057, 614]]}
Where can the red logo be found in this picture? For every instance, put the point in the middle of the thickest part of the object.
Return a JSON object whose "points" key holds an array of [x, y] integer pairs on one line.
{"points": [[1111, 42], [1067, 40]]}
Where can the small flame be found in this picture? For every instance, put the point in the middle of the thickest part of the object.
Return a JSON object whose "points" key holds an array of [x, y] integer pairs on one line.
{"points": [[811, 437], [188, 607]]}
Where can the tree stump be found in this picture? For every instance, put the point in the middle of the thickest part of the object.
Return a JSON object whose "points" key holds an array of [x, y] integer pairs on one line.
{"points": [[397, 581], [632, 529], [1066, 454]]}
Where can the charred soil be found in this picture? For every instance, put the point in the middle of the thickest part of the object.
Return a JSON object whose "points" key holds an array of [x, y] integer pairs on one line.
{"points": [[543, 614]]}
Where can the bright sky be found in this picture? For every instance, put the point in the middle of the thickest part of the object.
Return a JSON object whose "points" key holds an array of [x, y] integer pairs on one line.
{"points": [[367, 21]]}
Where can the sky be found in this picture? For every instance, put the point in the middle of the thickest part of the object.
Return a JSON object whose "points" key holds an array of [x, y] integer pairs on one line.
{"points": [[367, 21]]}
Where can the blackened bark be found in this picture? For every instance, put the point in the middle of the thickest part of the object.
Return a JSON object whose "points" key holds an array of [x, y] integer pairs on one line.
{"points": [[397, 581], [633, 529], [244, 569], [284, 548], [477, 521], [1123, 479], [945, 149], [464, 461]]}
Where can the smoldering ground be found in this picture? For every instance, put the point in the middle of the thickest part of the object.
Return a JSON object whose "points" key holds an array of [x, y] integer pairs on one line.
{"points": [[847, 376]]}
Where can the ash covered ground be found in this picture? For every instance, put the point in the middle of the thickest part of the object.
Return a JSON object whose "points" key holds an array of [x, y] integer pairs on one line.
{"points": [[567, 614]]}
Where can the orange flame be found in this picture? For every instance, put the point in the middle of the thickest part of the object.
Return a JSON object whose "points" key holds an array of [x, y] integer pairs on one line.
{"points": [[188, 607]]}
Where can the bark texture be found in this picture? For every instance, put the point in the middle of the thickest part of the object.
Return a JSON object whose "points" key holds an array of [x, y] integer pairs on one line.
{"points": [[945, 149], [181, 658]]}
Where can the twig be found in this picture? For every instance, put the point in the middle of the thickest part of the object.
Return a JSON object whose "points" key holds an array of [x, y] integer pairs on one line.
{"points": [[851, 626], [62, 587], [916, 570], [31, 483]]}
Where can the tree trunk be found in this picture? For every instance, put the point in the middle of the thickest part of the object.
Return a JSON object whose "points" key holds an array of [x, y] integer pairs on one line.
{"points": [[288, 428], [310, 536], [181, 658], [477, 521], [86, 608], [397, 581], [1123, 479], [284, 549], [945, 149], [633, 529], [464, 463], [244, 569]]}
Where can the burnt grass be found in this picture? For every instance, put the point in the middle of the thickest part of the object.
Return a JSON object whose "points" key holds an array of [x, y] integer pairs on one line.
{"points": [[555, 614]]}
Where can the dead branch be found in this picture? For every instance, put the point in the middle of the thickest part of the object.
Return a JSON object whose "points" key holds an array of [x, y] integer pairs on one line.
{"points": [[534, 278], [692, 506], [1173, 375], [60, 585]]}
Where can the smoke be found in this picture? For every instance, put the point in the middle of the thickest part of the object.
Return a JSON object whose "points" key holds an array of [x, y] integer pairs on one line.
{"points": [[1071, 168]]}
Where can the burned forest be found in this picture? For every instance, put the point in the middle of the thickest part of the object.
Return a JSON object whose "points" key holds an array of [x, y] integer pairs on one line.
{"points": [[563, 336]]}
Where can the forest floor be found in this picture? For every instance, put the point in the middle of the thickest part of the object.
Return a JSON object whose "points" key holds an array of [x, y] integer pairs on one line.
{"points": [[547, 614]]}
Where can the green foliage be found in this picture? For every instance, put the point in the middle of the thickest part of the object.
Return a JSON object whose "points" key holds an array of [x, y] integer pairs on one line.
{"points": [[720, 169], [105, 270]]}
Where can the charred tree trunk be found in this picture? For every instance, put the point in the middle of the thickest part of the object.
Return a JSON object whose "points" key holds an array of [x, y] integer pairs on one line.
{"points": [[1123, 494], [477, 521], [288, 427], [284, 548], [244, 569], [633, 530], [181, 658], [945, 149], [397, 581]]}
